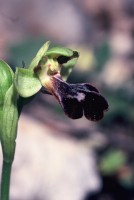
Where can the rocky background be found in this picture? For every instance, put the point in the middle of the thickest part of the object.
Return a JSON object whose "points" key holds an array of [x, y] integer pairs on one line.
{"points": [[58, 158]]}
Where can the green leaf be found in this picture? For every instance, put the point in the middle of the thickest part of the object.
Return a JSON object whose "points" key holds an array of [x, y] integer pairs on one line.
{"points": [[26, 82], [112, 161], [9, 124], [57, 51], [67, 68], [39, 55], [6, 78]]}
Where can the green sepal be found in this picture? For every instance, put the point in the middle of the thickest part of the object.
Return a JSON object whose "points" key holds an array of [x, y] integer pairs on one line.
{"points": [[67, 68], [6, 78], [9, 124], [39, 55], [59, 51], [26, 82]]}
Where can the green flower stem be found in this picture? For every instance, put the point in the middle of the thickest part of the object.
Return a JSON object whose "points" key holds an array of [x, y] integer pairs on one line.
{"points": [[5, 180]]}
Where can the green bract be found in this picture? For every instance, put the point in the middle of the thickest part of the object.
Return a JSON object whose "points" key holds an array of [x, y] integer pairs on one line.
{"points": [[6, 78], [8, 111], [26, 82], [9, 124]]}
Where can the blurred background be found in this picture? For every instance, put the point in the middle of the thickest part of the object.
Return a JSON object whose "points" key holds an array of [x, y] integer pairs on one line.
{"points": [[58, 158]]}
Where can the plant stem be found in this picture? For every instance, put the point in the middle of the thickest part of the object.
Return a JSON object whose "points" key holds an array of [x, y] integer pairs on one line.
{"points": [[5, 180]]}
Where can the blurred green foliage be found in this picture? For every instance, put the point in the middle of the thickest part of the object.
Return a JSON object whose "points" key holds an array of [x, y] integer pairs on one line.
{"points": [[112, 161]]}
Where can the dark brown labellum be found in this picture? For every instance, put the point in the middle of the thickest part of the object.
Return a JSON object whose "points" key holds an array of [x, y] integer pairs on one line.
{"points": [[79, 99]]}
